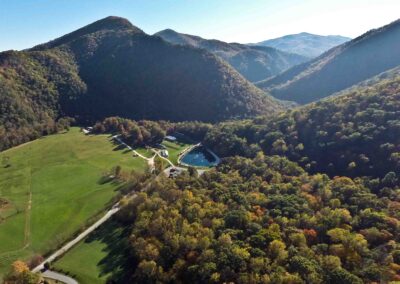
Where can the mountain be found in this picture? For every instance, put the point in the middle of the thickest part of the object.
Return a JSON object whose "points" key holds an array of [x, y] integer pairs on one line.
{"points": [[356, 133], [255, 63], [112, 68], [339, 68], [306, 44]]}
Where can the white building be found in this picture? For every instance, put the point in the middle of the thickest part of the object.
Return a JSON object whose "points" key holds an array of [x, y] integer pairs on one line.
{"points": [[164, 153]]}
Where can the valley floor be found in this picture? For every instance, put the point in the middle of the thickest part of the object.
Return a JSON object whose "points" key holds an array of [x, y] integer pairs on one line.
{"points": [[53, 188]]}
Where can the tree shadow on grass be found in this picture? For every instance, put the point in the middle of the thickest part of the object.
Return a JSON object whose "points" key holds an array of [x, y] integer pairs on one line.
{"points": [[105, 179], [119, 147], [118, 262]]}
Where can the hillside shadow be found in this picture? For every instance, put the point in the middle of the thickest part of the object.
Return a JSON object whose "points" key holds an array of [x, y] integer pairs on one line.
{"points": [[118, 261]]}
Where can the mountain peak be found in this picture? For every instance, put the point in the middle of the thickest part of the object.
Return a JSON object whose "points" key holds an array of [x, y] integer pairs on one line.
{"points": [[167, 31], [366, 56], [110, 23], [305, 33]]}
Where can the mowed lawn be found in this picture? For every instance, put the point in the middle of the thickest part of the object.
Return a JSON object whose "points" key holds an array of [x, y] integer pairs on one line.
{"points": [[83, 262], [103, 254], [59, 176], [174, 149], [146, 152]]}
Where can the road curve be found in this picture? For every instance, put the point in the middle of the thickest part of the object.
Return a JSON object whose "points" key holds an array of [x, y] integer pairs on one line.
{"points": [[60, 277]]}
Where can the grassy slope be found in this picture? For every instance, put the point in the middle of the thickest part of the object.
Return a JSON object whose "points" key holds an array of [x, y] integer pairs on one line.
{"points": [[88, 253], [102, 254], [94, 250], [62, 172]]}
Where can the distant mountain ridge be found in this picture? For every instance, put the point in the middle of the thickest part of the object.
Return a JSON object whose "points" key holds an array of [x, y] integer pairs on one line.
{"points": [[339, 68], [112, 68], [255, 63], [306, 44]]}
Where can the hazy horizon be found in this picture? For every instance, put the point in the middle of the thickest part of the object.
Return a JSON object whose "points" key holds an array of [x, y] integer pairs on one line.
{"points": [[24, 24]]}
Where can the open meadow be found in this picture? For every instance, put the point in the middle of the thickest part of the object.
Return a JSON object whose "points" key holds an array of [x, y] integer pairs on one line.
{"points": [[51, 187]]}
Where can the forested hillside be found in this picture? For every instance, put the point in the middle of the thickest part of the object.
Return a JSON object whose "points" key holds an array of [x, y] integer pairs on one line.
{"points": [[261, 220], [32, 87], [355, 134], [113, 68], [364, 57], [255, 63]]}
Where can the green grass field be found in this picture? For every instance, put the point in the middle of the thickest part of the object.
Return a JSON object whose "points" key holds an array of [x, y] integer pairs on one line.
{"points": [[53, 188], [99, 248], [83, 262], [174, 149], [145, 152], [102, 254]]}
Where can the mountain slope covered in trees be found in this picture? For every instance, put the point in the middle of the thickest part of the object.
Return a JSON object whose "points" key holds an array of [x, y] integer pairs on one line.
{"points": [[265, 219], [306, 44], [261, 220], [32, 87], [112, 68], [354, 134], [255, 63], [364, 57]]}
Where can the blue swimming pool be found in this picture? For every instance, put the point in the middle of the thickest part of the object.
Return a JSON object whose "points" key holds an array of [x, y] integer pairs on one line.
{"points": [[199, 157]]}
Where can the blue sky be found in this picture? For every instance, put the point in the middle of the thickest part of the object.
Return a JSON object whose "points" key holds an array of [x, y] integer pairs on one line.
{"points": [[24, 23]]}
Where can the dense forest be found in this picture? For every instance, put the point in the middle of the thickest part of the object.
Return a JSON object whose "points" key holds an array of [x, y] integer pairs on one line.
{"points": [[341, 67], [112, 68], [261, 220], [32, 87], [134, 133], [355, 134]]}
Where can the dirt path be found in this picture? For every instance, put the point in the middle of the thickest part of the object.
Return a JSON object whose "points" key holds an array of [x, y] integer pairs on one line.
{"points": [[27, 227], [27, 230]]}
